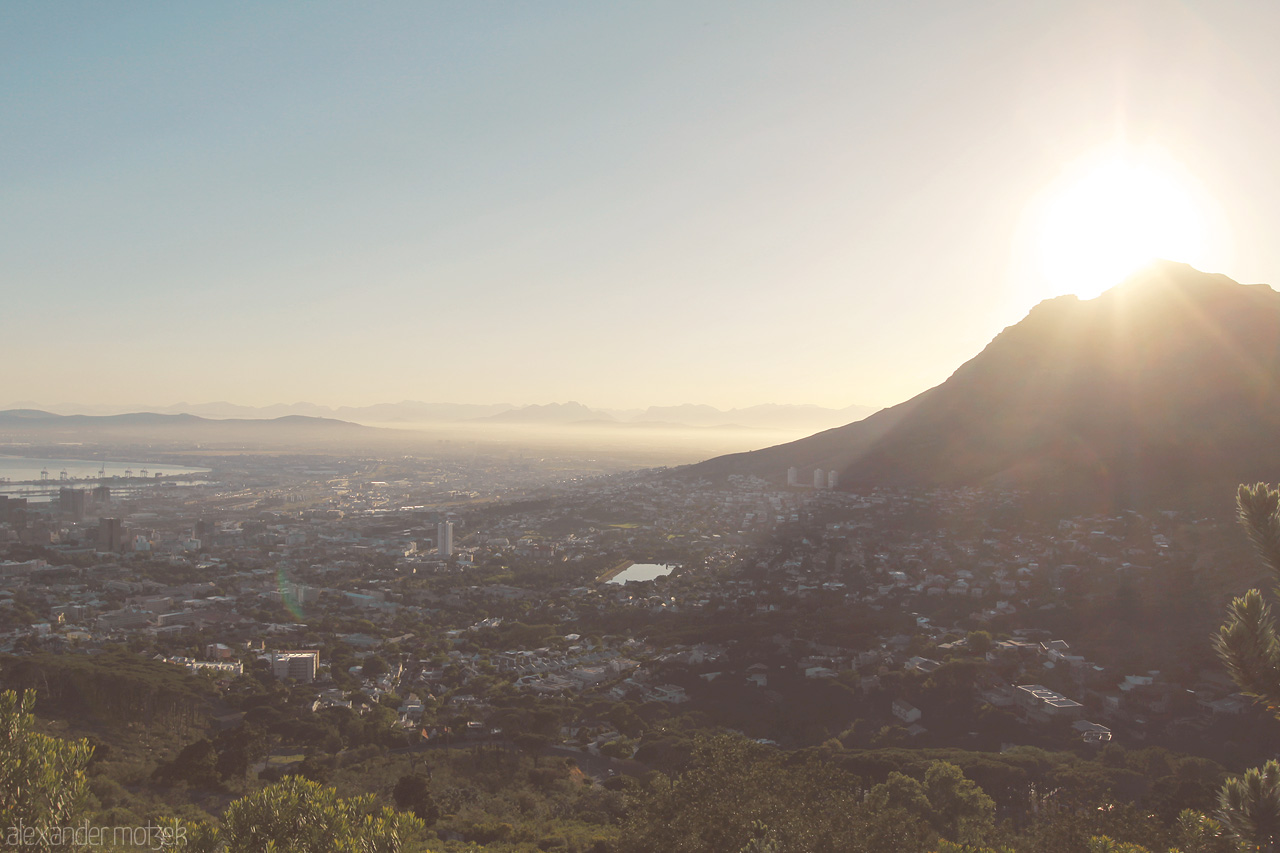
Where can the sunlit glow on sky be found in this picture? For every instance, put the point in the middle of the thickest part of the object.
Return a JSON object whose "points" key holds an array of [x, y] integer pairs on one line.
{"points": [[1109, 215], [622, 204]]}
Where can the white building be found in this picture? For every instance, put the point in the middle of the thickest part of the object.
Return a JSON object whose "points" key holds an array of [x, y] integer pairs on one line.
{"points": [[226, 667], [444, 539], [1042, 704], [301, 666], [793, 476], [819, 478]]}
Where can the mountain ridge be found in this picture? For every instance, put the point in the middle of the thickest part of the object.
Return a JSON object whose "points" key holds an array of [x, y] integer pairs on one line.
{"points": [[1163, 384], [778, 416], [32, 425], [27, 416]]}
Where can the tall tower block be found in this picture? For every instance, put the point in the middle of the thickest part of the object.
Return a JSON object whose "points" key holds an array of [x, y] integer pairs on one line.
{"points": [[444, 539]]}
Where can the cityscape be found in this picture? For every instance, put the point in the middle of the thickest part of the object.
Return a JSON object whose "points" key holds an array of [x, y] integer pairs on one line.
{"points": [[482, 606], [693, 427]]}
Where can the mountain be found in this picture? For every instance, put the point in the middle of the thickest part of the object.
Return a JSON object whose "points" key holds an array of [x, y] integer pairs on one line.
{"points": [[551, 413], [408, 410], [418, 412], [768, 416], [222, 410], [1167, 383], [27, 425]]}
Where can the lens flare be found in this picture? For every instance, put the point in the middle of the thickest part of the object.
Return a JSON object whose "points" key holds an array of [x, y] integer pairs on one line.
{"points": [[1109, 215], [288, 596]]}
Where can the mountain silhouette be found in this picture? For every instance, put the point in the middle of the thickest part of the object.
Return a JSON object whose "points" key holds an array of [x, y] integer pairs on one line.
{"points": [[1167, 383], [551, 413], [28, 425]]}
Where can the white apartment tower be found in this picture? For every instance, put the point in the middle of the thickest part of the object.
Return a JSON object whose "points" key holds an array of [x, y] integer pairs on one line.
{"points": [[793, 476], [819, 478], [832, 479], [444, 539], [298, 665]]}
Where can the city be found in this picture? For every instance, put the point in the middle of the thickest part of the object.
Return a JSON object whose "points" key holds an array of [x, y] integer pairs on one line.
{"points": [[451, 604], [665, 427]]}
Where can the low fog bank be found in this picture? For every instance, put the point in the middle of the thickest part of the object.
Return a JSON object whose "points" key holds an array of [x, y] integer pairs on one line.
{"points": [[652, 444]]}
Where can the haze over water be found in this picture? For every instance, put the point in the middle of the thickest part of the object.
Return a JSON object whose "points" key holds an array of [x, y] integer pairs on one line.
{"points": [[21, 468]]}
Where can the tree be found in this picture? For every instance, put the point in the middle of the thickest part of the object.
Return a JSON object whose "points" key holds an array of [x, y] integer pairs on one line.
{"points": [[42, 779], [979, 642], [763, 840], [958, 809], [961, 810], [1248, 643], [302, 816], [1103, 844], [1250, 807], [240, 748], [532, 744], [619, 748], [1199, 833], [374, 666], [1250, 647], [196, 764], [899, 791], [736, 793], [413, 793]]}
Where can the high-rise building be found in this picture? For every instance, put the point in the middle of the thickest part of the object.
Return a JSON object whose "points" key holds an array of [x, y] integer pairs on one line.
{"points": [[444, 539], [832, 479], [204, 532], [73, 502], [819, 478], [793, 476], [110, 535], [13, 511]]}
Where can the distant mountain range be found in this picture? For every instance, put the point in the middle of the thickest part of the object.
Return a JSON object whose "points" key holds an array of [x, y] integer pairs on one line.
{"points": [[31, 425], [551, 413], [1167, 383], [770, 416]]}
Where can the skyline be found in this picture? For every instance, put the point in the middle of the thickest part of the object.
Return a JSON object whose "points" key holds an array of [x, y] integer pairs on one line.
{"points": [[223, 408], [626, 206]]}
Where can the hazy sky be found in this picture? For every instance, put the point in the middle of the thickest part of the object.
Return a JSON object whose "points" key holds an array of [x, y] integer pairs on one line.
{"points": [[619, 203]]}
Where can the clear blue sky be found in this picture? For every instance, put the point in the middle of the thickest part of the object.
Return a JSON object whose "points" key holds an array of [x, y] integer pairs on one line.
{"points": [[622, 203]]}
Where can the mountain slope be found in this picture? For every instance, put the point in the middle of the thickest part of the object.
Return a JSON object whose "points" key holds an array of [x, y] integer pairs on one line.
{"points": [[767, 416], [1167, 382]]}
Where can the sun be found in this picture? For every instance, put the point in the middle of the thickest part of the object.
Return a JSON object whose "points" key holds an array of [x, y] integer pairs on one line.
{"points": [[1109, 215]]}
